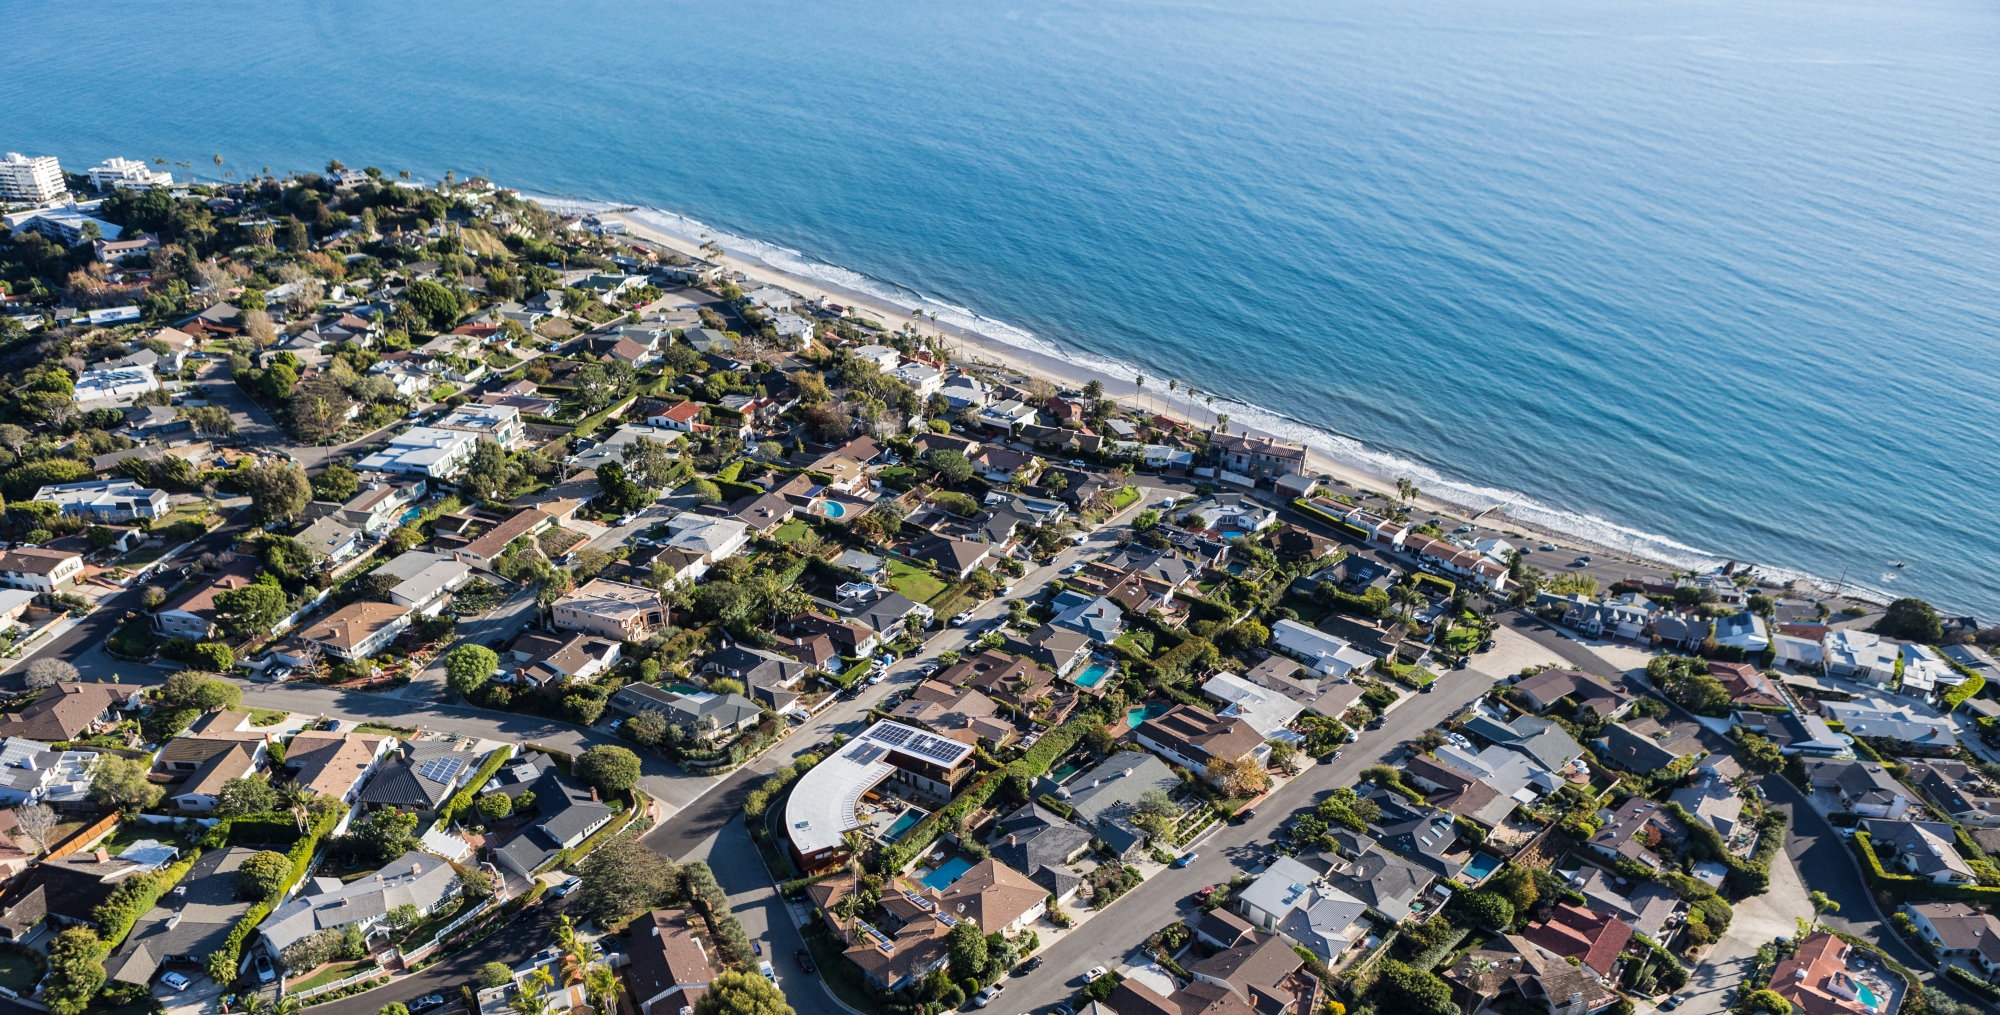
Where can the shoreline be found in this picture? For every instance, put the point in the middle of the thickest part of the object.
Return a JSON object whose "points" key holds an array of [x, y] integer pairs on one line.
{"points": [[972, 346]]}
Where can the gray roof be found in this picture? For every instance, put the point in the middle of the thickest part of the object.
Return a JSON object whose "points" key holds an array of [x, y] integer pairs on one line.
{"points": [[207, 910], [1102, 619], [1042, 839], [325, 536], [405, 566], [1387, 883], [416, 878], [1105, 795], [881, 615], [1646, 909], [866, 563]]}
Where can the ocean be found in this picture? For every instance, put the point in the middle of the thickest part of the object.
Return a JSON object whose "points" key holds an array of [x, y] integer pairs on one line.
{"points": [[1700, 280]]}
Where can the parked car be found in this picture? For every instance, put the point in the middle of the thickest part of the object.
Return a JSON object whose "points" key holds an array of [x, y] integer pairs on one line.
{"points": [[424, 1003], [1187, 858], [1670, 1003], [1030, 966], [1095, 972], [567, 887], [985, 997], [175, 981], [1547, 547], [764, 966], [805, 960], [961, 619], [756, 947], [265, 973]]}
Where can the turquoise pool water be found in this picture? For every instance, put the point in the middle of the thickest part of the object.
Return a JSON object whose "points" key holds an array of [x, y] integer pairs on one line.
{"points": [[903, 824], [1867, 997], [1139, 715], [1482, 864], [950, 871], [835, 509], [1068, 769], [1236, 567], [1091, 676]]}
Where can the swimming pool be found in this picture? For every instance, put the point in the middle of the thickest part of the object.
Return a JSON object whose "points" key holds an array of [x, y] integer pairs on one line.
{"points": [[1091, 676], [1068, 769], [1482, 864], [951, 870], [1867, 997], [834, 509], [906, 821], [1152, 711]]}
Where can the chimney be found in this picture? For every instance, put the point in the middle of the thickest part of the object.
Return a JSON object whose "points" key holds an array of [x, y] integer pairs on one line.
{"points": [[593, 793], [1012, 839], [416, 868], [102, 855]]}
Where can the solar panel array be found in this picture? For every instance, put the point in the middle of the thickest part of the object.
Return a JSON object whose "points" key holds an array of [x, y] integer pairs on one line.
{"points": [[441, 769], [936, 748], [865, 753], [890, 734]]}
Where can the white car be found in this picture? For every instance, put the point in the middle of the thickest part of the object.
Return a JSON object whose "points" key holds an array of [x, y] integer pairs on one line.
{"points": [[764, 966], [961, 619], [985, 997], [1095, 973], [176, 981], [1074, 568], [878, 676]]}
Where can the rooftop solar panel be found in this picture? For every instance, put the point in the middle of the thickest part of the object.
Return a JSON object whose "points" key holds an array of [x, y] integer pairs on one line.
{"points": [[892, 734], [441, 769]]}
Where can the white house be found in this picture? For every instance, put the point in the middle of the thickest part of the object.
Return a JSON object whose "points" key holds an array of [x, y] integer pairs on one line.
{"points": [[120, 173], [924, 379], [1264, 709], [962, 390], [795, 331], [1744, 630], [116, 382], [106, 500], [1797, 653], [423, 450], [880, 355], [1859, 655], [712, 537], [1323, 652], [1006, 415], [32, 180]]}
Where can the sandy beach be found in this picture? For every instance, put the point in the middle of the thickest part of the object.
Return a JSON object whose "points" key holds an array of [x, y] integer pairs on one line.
{"points": [[970, 347]]}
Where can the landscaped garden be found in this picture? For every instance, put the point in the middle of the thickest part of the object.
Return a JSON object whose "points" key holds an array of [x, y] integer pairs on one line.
{"points": [[916, 584]]}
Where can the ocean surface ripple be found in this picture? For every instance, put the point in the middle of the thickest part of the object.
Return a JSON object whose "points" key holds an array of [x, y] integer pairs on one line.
{"points": [[1696, 279]]}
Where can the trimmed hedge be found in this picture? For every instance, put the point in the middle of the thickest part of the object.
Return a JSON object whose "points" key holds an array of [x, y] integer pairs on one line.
{"points": [[1747, 877], [131, 900], [224, 961], [1054, 744], [1955, 697], [464, 798], [1909, 887]]}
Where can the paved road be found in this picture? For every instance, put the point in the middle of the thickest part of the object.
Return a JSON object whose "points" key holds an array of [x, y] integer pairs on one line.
{"points": [[83, 644], [1166, 897], [531, 931]]}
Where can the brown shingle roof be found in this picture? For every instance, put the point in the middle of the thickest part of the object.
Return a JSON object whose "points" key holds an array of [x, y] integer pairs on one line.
{"points": [[992, 895], [354, 623], [34, 560], [331, 763], [65, 711]]}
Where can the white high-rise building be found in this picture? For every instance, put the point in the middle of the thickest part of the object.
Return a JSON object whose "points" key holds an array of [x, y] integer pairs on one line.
{"points": [[127, 173], [26, 179]]}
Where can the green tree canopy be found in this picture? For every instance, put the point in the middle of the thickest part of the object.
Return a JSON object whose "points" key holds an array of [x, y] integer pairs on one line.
{"points": [[736, 993], [468, 666], [76, 970], [623, 877], [1912, 620], [336, 484], [278, 492], [263, 874], [966, 947], [609, 768], [251, 609], [251, 794]]}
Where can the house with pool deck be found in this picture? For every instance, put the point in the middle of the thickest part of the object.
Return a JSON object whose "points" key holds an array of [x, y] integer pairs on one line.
{"points": [[888, 761]]}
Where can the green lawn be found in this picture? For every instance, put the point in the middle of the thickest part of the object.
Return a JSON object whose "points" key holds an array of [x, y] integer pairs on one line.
{"points": [[792, 531], [337, 971], [919, 585], [267, 716], [1124, 498]]}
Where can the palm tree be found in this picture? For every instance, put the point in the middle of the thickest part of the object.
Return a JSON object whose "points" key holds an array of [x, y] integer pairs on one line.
{"points": [[576, 951], [1821, 904], [533, 996], [601, 985]]}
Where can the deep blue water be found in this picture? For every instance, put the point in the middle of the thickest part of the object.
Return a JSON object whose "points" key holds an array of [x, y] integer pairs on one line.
{"points": [[1719, 273]]}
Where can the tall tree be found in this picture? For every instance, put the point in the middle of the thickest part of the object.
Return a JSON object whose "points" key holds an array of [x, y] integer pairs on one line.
{"points": [[278, 492], [122, 782]]}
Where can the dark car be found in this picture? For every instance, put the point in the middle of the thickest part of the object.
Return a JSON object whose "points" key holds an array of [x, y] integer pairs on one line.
{"points": [[805, 960], [425, 1003], [1029, 966]]}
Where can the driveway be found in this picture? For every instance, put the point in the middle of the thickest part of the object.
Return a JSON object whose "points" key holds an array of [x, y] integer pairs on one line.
{"points": [[1759, 920]]}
